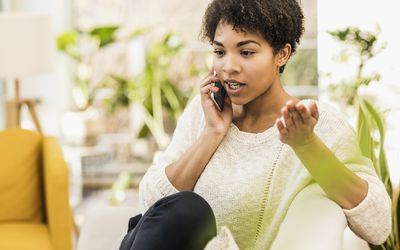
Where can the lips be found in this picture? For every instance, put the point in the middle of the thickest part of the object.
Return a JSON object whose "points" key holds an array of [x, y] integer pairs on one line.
{"points": [[231, 81], [233, 84], [233, 87]]}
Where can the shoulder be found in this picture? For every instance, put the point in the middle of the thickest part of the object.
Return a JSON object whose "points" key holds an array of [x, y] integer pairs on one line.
{"points": [[192, 118], [326, 109], [193, 109], [329, 114], [332, 123], [194, 103]]}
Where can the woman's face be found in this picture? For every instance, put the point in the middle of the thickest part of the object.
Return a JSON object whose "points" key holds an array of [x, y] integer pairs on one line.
{"points": [[244, 62]]}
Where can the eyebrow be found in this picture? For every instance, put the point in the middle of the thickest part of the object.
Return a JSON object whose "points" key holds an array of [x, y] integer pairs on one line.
{"points": [[239, 44]]}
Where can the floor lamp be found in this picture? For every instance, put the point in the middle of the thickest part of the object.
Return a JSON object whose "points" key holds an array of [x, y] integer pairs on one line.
{"points": [[25, 51]]}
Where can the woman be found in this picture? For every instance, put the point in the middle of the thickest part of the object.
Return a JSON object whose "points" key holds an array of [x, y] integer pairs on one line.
{"points": [[246, 164]]}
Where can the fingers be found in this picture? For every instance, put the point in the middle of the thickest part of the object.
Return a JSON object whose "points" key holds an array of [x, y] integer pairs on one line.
{"points": [[281, 127], [208, 89], [206, 86], [304, 112], [287, 119], [290, 115], [294, 113], [298, 114], [208, 80], [314, 110]]}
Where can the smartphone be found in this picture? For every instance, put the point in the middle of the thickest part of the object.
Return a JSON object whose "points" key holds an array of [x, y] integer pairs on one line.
{"points": [[219, 96]]}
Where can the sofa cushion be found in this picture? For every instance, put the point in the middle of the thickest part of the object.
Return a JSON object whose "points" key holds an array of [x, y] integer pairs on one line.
{"points": [[20, 176], [27, 236]]}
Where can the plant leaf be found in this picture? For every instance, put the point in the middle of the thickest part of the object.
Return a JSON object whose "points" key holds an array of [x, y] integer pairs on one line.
{"points": [[105, 35]]}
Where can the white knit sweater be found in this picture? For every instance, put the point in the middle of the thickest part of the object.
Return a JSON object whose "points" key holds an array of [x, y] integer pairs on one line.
{"points": [[252, 178]]}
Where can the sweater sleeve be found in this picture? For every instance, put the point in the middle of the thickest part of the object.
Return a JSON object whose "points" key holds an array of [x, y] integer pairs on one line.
{"points": [[371, 219], [155, 183]]}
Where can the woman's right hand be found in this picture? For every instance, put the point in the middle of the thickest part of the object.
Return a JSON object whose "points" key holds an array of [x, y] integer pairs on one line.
{"points": [[217, 122]]}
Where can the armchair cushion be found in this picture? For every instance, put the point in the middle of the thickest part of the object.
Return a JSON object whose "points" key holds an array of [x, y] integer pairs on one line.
{"points": [[20, 178], [34, 187], [24, 235]]}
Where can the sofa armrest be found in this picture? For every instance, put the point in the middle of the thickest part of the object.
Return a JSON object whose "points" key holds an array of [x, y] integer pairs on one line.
{"points": [[104, 228], [56, 185], [353, 242], [312, 222]]}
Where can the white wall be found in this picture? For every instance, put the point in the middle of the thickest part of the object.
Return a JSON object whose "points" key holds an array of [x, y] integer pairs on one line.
{"points": [[182, 16], [53, 88], [2, 92]]}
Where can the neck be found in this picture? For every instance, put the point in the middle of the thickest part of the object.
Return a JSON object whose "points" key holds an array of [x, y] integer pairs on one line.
{"points": [[265, 109]]}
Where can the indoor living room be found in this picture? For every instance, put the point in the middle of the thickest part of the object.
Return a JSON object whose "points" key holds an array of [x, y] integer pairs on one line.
{"points": [[91, 92]]}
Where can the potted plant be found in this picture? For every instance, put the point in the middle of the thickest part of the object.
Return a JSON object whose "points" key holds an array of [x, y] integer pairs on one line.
{"points": [[82, 47], [85, 48], [156, 93], [365, 46], [370, 123]]}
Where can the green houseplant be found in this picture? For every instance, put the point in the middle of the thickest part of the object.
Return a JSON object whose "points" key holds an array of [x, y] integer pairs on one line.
{"points": [[364, 45], [370, 122], [81, 46], [155, 92]]}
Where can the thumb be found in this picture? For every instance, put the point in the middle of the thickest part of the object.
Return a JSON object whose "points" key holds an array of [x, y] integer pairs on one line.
{"points": [[314, 110]]}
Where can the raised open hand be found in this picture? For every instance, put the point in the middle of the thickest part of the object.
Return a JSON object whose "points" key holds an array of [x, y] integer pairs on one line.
{"points": [[296, 125]]}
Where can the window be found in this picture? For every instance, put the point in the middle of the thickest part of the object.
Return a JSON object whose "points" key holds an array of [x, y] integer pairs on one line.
{"points": [[300, 77]]}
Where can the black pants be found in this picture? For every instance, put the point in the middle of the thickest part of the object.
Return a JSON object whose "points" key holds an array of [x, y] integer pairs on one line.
{"points": [[180, 221]]}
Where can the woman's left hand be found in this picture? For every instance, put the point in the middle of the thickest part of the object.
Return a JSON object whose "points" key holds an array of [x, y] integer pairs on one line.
{"points": [[296, 125]]}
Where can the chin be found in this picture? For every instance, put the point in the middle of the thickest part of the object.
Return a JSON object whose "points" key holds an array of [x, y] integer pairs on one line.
{"points": [[239, 100]]}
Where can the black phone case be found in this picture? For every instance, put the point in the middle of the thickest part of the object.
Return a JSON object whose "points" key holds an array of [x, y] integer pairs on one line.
{"points": [[219, 96]]}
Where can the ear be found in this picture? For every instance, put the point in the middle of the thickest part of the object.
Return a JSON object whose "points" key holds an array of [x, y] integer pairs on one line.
{"points": [[283, 55]]}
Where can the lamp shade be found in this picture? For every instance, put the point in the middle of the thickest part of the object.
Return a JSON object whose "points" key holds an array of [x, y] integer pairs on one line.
{"points": [[25, 44]]}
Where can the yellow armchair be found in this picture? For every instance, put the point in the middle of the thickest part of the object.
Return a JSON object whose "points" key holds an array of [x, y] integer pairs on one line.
{"points": [[34, 193]]}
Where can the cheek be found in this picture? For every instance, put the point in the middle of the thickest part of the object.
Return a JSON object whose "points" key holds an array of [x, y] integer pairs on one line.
{"points": [[262, 69], [217, 65]]}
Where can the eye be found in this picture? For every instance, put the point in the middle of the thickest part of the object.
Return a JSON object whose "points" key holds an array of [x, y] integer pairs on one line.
{"points": [[218, 52], [246, 53]]}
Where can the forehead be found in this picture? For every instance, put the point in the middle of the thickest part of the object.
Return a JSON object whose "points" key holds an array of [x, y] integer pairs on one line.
{"points": [[226, 31]]}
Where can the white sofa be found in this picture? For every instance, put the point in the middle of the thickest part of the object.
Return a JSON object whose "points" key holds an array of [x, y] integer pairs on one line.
{"points": [[313, 222]]}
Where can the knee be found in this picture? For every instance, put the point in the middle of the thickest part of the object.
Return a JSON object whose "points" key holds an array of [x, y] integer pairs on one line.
{"points": [[192, 204], [188, 207], [192, 200]]}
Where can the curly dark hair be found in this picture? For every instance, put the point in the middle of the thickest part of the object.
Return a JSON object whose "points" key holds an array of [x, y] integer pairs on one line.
{"points": [[278, 21]]}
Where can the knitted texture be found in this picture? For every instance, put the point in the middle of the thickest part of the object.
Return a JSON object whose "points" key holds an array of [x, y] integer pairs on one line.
{"points": [[252, 178]]}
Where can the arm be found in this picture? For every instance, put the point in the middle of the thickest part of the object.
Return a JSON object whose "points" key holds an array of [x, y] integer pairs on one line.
{"points": [[184, 173], [337, 165], [181, 164], [339, 183], [155, 183]]}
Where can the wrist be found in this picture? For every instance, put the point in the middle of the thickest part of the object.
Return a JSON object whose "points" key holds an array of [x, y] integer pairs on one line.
{"points": [[214, 133], [307, 144]]}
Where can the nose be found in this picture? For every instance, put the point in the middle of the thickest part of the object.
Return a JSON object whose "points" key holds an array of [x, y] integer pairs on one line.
{"points": [[231, 65]]}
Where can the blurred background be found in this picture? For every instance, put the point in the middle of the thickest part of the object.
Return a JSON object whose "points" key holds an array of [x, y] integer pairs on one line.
{"points": [[116, 74]]}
